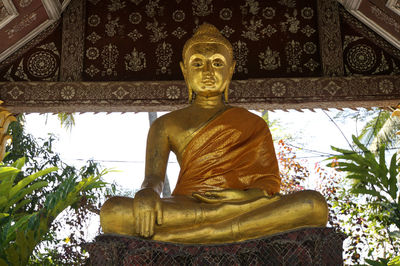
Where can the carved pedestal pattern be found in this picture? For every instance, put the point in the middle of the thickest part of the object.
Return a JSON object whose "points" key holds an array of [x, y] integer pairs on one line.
{"points": [[309, 246]]}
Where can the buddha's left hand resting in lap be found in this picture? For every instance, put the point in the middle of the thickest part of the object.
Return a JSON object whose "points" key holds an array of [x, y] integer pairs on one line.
{"points": [[228, 186]]}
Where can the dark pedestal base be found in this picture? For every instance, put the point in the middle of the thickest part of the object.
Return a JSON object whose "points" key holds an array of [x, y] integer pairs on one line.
{"points": [[309, 246]]}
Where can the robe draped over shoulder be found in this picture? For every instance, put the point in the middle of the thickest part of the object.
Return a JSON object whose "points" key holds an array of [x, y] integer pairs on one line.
{"points": [[235, 150]]}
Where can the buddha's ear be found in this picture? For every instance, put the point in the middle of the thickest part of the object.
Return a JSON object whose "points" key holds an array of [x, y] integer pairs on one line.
{"points": [[183, 69], [190, 91], [232, 69]]}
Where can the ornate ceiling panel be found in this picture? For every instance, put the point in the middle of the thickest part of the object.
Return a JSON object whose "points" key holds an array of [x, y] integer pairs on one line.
{"points": [[382, 16], [40, 63], [142, 40], [7, 12], [123, 55], [394, 5], [365, 52], [23, 20]]}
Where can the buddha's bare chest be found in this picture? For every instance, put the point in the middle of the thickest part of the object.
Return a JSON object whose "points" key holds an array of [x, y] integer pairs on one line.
{"points": [[184, 129]]}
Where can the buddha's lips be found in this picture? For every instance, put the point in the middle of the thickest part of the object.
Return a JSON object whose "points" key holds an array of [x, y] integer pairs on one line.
{"points": [[208, 82]]}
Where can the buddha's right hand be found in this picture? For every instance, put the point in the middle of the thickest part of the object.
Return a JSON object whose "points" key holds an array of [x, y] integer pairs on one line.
{"points": [[147, 210]]}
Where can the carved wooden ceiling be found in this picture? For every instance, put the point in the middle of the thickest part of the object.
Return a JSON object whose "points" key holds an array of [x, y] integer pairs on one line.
{"points": [[123, 55], [23, 20]]}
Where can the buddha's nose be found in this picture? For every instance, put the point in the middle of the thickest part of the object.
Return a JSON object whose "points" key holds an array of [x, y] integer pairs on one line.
{"points": [[208, 72], [208, 69]]}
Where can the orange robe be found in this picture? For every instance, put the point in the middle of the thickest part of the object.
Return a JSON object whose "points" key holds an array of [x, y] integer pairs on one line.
{"points": [[235, 150]]}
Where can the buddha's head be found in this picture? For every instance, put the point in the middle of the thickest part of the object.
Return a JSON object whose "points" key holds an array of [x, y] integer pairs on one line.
{"points": [[208, 63]]}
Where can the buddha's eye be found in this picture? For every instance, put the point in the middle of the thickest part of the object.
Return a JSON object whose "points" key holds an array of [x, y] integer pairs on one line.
{"points": [[197, 63], [218, 63]]}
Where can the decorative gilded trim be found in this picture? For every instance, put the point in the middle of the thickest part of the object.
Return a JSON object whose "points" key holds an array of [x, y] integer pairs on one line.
{"points": [[368, 33], [11, 10], [394, 5], [32, 43], [330, 39], [372, 24], [5, 119], [270, 94], [64, 5], [73, 32], [53, 10]]}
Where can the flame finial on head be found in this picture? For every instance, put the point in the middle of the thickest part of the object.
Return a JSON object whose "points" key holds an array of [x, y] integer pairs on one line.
{"points": [[207, 33]]}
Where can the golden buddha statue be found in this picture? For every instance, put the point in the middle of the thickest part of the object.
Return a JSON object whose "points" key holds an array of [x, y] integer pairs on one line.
{"points": [[228, 186]]}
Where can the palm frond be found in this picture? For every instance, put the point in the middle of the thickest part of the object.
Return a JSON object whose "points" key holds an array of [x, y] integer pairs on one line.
{"points": [[67, 120], [386, 134]]}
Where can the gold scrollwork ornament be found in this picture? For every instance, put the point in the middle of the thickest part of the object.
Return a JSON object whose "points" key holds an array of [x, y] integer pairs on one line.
{"points": [[5, 120]]}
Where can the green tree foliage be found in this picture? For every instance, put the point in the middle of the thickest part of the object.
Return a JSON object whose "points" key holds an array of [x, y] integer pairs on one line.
{"points": [[39, 155], [22, 231], [370, 204]]}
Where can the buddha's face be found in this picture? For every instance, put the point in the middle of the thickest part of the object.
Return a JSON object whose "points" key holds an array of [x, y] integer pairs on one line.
{"points": [[208, 68]]}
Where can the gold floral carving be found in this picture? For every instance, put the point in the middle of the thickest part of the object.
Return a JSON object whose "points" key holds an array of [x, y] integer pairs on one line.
{"points": [[381, 15], [71, 66], [202, 8], [25, 22], [179, 32], [158, 32], [135, 61], [368, 33], [67, 92], [135, 35], [20, 72], [227, 31], [32, 43], [109, 55], [288, 3], [293, 55], [383, 66], [269, 30], [250, 7], [153, 8], [112, 26], [269, 60], [92, 70], [173, 92], [116, 5], [164, 54], [252, 28], [330, 40], [311, 64], [292, 23], [386, 86], [225, 14], [178, 15], [268, 13], [361, 58], [41, 64], [240, 52], [93, 37], [273, 93], [308, 30]]}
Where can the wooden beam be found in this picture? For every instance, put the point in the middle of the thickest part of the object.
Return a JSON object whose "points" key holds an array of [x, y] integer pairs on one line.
{"points": [[271, 94]]}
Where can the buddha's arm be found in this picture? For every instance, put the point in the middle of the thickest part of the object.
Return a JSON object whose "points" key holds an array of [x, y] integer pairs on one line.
{"points": [[147, 209]]}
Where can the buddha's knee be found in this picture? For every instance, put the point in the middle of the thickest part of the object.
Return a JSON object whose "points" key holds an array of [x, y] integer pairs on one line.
{"points": [[116, 216], [316, 207]]}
